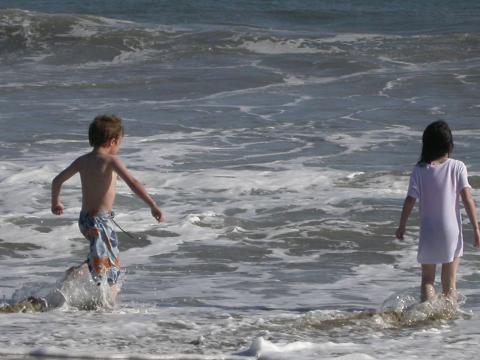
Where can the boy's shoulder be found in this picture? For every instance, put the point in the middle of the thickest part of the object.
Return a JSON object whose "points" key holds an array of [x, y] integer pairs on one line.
{"points": [[85, 158], [92, 159]]}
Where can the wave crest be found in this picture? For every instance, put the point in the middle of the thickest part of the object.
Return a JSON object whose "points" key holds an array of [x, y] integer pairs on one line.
{"points": [[64, 39]]}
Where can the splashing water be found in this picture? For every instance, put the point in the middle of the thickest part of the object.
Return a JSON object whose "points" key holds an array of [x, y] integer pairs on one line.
{"points": [[76, 290], [398, 311], [81, 292]]}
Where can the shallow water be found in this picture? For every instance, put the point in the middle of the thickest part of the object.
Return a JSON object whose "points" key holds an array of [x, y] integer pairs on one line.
{"points": [[278, 139]]}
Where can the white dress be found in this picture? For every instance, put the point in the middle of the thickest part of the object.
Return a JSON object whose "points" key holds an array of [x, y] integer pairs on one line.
{"points": [[438, 187]]}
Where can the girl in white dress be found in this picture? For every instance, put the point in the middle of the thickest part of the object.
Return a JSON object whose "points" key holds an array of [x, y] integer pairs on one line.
{"points": [[439, 182]]}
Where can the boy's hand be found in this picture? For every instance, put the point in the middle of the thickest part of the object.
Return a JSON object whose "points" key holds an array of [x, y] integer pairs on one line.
{"points": [[158, 214], [57, 209], [399, 233]]}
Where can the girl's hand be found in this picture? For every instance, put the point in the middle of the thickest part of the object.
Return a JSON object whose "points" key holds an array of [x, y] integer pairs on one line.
{"points": [[58, 209], [476, 238], [399, 233]]}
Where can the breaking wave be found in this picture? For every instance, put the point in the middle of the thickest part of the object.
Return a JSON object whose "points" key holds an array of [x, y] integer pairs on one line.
{"points": [[69, 39]]}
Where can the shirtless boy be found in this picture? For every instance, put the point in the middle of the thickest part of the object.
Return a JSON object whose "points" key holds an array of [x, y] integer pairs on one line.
{"points": [[98, 173]]}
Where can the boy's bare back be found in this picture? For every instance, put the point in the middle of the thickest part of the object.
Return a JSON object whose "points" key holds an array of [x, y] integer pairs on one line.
{"points": [[99, 182], [98, 172]]}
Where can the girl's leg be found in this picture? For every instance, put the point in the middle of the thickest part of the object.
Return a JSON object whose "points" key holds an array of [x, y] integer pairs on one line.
{"points": [[428, 281], [449, 278]]}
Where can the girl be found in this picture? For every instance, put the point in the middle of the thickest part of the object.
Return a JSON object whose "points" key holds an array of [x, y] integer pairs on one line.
{"points": [[438, 182]]}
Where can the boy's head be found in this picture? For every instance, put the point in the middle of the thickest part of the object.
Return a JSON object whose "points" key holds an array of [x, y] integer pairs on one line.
{"points": [[103, 129]]}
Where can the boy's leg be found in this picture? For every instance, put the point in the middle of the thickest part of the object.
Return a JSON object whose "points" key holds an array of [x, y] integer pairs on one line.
{"points": [[449, 278], [114, 289], [428, 281], [76, 271]]}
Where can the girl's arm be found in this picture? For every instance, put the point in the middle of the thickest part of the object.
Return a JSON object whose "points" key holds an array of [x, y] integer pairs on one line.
{"points": [[406, 211], [471, 210]]}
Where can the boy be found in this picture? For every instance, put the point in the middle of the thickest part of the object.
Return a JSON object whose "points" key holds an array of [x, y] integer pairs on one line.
{"points": [[98, 173]]}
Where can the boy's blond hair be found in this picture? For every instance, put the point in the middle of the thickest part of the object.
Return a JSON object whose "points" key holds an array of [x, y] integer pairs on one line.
{"points": [[104, 128]]}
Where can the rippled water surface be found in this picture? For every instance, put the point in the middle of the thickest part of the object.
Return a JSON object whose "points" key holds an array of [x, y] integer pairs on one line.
{"points": [[278, 138]]}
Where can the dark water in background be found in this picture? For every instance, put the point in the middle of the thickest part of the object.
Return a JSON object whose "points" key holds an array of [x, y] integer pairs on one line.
{"points": [[278, 137], [407, 16]]}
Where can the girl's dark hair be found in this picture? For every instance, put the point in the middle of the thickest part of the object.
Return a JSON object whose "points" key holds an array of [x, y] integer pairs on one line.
{"points": [[437, 141]]}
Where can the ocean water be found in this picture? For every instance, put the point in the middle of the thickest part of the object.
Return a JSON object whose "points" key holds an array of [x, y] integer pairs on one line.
{"points": [[278, 136]]}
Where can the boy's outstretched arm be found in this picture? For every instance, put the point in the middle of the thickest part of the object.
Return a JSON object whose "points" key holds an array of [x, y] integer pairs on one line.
{"points": [[57, 206], [138, 189], [408, 205], [471, 210]]}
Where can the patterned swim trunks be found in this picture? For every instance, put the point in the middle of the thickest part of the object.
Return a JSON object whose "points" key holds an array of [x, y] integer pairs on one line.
{"points": [[103, 259]]}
